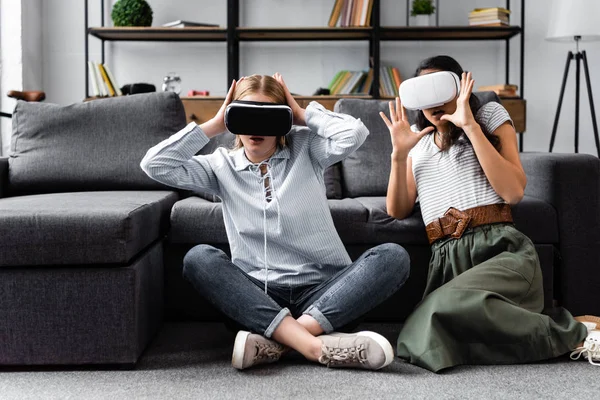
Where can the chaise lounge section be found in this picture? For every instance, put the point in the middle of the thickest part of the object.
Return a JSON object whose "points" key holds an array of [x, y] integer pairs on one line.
{"points": [[82, 231]]}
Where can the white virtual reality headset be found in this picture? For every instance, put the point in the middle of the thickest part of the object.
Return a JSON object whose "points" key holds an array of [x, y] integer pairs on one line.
{"points": [[430, 90]]}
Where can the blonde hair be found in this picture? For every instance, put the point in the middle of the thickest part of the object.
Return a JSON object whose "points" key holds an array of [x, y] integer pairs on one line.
{"points": [[260, 84]]}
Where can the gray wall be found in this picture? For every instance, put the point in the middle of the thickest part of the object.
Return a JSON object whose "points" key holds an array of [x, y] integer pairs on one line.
{"points": [[307, 66]]}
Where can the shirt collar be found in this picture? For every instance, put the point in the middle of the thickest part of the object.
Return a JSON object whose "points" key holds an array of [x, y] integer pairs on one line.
{"points": [[241, 162]]}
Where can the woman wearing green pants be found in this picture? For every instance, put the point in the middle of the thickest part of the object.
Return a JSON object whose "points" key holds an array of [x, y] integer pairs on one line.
{"points": [[484, 295]]}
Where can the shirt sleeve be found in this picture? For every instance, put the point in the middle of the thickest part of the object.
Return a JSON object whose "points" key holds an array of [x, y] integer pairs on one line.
{"points": [[491, 115], [334, 135], [173, 163]]}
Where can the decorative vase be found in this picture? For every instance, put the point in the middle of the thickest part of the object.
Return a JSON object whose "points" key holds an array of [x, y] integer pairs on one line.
{"points": [[422, 20]]}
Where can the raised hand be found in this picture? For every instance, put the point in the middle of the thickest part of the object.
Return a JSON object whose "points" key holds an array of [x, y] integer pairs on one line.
{"points": [[297, 111], [403, 138], [216, 125], [463, 116]]}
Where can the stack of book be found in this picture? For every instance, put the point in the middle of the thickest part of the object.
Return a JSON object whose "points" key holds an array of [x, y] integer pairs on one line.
{"points": [[103, 81], [360, 82], [351, 13], [489, 17], [501, 90]]}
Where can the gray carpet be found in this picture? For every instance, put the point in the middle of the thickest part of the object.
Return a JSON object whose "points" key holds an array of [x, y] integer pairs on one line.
{"points": [[192, 361]]}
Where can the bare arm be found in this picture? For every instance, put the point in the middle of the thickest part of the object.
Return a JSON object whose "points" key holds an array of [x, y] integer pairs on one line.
{"points": [[503, 169], [402, 190]]}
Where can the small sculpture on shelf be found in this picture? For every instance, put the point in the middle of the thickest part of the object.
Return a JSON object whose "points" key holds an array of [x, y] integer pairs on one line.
{"points": [[131, 13], [172, 83], [422, 9]]}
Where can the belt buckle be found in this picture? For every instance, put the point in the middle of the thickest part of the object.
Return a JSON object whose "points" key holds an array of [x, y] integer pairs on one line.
{"points": [[462, 221]]}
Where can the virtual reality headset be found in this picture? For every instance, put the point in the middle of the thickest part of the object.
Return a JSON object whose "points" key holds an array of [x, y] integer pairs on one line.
{"points": [[258, 119], [430, 90]]}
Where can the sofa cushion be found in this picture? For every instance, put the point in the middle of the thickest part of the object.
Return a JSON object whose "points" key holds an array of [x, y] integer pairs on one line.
{"points": [[195, 220], [81, 228], [365, 172], [536, 219], [362, 220], [97, 145]]}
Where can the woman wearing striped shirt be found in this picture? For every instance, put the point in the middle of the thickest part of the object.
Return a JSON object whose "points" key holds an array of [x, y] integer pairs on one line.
{"points": [[484, 296], [289, 279]]}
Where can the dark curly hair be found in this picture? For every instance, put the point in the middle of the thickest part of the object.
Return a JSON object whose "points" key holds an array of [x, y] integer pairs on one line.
{"points": [[447, 63]]}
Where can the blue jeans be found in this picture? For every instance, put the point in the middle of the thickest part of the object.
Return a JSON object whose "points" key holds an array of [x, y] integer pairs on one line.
{"points": [[373, 277]]}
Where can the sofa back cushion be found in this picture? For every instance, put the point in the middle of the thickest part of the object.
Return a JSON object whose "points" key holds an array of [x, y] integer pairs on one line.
{"points": [[366, 171], [96, 145]]}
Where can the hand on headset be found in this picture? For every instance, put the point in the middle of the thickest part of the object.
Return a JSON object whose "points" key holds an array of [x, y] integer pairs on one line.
{"points": [[463, 116], [403, 138], [216, 125], [299, 112]]}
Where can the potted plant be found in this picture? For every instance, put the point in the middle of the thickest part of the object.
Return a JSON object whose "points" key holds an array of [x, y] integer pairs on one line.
{"points": [[131, 13], [422, 9]]}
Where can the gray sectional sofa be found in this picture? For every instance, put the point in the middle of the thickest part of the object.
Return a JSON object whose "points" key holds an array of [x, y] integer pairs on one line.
{"points": [[91, 249]]}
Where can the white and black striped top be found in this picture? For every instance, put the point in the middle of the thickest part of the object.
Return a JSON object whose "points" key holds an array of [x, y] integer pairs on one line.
{"points": [[301, 242], [454, 178]]}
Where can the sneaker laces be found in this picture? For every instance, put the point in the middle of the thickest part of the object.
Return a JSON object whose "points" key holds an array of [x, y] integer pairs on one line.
{"points": [[268, 351], [589, 350], [340, 356]]}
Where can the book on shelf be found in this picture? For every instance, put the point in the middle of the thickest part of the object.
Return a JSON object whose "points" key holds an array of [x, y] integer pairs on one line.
{"points": [[103, 91], [111, 90], [103, 81], [187, 24], [347, 13], [93, 79], [360, 82], [112, 80], [335, 13], [489, 23], [489, 11], [489, 17]]}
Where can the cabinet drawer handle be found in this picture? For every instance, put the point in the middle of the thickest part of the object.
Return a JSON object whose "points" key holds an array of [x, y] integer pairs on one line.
{"points": [[193, 117]]}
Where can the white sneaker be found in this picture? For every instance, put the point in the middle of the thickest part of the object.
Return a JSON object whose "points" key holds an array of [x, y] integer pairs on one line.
{"points": [[366, 350], [252, 349], [590, 349]]}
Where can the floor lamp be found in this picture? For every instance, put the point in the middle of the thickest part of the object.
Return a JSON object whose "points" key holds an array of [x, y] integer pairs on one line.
{"points": [[575, 21]]}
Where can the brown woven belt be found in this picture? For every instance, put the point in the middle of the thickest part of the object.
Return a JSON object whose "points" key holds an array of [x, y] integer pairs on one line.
{"points": [[455, 222]]}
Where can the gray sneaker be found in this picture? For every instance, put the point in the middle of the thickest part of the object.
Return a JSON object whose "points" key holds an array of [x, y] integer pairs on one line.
{"points": [[367, 350], [252, 349]]}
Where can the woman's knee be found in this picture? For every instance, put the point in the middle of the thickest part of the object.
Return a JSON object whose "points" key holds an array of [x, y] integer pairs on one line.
{"points": [[199, 259], [396, 260]]}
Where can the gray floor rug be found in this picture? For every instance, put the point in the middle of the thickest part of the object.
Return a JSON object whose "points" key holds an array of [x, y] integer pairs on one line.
{"points": [[192, 361]]}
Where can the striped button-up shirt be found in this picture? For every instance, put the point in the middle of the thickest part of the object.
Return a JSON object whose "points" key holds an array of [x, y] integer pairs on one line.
{"points": [[291, 239]]}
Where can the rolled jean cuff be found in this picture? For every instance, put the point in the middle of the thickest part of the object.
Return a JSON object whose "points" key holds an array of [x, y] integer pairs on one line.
{"points": [[320, 318], [276, 321]]}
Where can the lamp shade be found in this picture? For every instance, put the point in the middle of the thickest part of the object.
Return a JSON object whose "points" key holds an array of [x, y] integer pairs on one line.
{"points": [[570, 18]]}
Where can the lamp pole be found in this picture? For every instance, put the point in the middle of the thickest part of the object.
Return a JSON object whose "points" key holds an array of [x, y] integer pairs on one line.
{"points": [[578, 56]]}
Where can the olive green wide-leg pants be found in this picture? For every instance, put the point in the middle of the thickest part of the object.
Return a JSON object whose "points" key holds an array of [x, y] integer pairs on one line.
{"points": [[482, 305]]}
